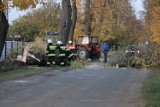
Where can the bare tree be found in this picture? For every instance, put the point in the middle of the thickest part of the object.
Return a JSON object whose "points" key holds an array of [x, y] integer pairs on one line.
{"points": [[74, 19], [65, 21], [88, 18]]}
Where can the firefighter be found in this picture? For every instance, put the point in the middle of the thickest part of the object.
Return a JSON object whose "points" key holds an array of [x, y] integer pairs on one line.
{"points": [[51, 53], [62, 52], [71, 51], [70, 42]]}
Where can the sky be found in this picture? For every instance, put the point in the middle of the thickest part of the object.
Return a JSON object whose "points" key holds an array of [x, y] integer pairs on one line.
{"points": [[15, 13], [138, 7]]}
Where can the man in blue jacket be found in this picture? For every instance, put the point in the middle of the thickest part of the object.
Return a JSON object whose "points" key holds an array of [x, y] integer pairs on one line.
{"points": [[105, 51]]}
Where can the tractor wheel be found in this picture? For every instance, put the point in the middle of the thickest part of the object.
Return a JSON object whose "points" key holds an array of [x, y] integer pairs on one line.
{"points": [[98, 55], [83, 53]]}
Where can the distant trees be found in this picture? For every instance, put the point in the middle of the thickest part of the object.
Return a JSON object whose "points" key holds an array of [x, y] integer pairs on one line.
{"points": [[37, 22], [25, 29]]}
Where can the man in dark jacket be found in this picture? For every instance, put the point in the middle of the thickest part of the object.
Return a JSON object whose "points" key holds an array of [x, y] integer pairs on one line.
{"points": [[105, 51]]}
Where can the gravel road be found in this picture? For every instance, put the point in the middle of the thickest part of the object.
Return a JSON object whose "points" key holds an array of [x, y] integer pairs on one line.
{"points": [[97, 85]]}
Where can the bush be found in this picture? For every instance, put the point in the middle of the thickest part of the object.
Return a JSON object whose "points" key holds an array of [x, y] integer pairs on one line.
{"points": [[134, 61], [10, 61]]}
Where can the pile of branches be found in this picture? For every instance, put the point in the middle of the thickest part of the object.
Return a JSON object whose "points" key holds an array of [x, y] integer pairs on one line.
{"points": [[134, 61], [149, 59]]}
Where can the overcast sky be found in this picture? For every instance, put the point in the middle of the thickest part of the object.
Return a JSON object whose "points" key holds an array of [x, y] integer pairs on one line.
{"points": [[15, 13], [137, 5]]}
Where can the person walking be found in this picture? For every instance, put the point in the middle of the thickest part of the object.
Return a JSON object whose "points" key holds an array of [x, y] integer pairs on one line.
{"points": [[105, 51]]}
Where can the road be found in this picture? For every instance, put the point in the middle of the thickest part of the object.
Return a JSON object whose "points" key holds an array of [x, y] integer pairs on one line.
{"points": [[97, 85]]}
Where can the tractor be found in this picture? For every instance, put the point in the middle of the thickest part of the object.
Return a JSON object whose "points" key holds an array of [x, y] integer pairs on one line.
{"points": [[88, 47]]}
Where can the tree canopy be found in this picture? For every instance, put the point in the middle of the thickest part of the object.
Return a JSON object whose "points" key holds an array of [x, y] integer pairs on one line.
{"points": [[21, 4], [108, 19]]}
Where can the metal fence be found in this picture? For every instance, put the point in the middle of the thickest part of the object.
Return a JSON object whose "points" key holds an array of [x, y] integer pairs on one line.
{"points": [[9, 46]]}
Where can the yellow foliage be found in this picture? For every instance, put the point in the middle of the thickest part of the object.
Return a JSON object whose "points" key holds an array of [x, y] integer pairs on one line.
{"points": [[24, 4], [107, 17], [21, 4], [155, 23]]}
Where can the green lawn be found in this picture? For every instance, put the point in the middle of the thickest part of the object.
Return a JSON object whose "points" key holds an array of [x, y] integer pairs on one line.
{"points": [[151, 90], [24, 72]]}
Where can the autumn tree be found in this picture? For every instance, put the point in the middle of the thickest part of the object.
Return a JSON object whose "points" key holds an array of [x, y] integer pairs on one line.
{"points": [[152, 20], [152, 24], [107, 19], [155, 22]]}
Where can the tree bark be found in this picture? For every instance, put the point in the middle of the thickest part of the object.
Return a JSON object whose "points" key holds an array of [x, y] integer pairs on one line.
{"points": [[88, 17], [74, 19], [4, 25], [65, 21]]}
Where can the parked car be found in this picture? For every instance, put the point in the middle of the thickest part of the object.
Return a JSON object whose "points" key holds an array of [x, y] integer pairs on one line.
{"points": [[132, 50]]}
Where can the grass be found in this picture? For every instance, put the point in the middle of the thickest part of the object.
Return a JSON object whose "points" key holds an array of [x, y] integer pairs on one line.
{"points": [[29, 71], [24, 72], [150, 93]]}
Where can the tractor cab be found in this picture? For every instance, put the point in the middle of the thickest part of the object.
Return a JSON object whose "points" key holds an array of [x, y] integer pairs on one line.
{"points": [[88, 47], [88, 40]]}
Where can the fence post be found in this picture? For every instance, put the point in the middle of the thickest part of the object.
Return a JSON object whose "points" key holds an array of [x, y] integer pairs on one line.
{"points": [[11, 45], [17, 46], [5, 53]]}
